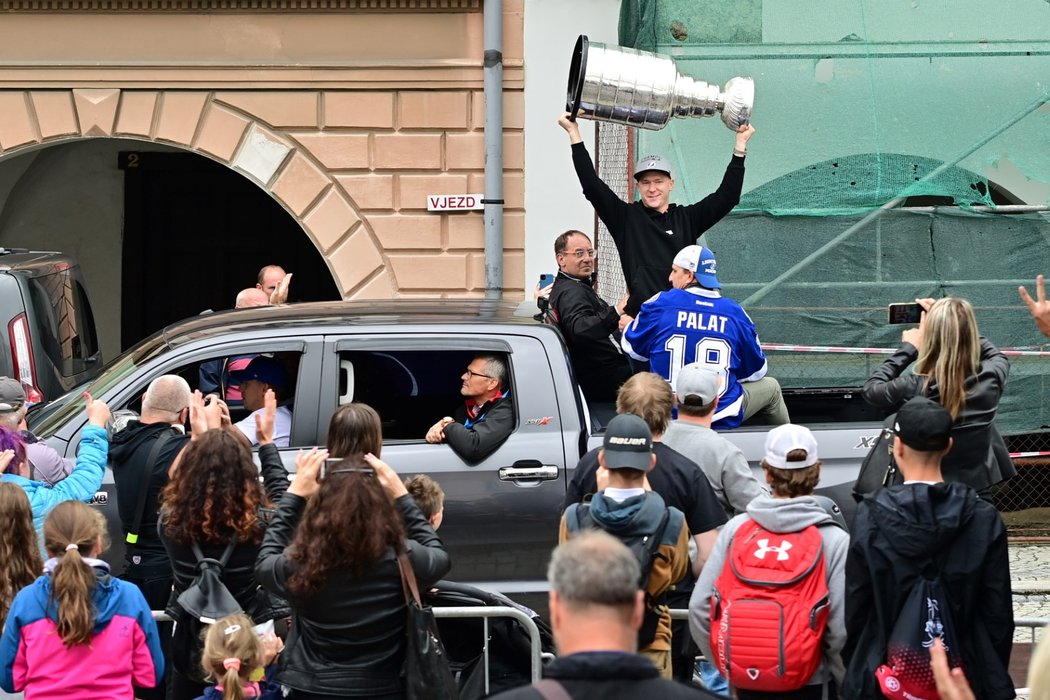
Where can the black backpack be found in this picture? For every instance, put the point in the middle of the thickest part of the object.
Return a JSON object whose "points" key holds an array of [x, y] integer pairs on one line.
{"points": [[203, 602], [645, 549], [924, 616]]}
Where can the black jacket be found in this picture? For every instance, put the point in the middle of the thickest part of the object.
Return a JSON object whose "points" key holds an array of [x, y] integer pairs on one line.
{"points": [[607, 675], [486, 433], [973, 459], [678, 479], [587, 321], [646, 239], [239, 572], [128, 451], [348, 638], [897, 532]]}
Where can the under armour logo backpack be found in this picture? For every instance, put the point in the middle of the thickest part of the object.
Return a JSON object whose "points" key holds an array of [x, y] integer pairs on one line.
{"points": [[769, 609], [764, 548]]}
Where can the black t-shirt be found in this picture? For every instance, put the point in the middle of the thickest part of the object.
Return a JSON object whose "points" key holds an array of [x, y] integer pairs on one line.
{"points": [[677, 478]]}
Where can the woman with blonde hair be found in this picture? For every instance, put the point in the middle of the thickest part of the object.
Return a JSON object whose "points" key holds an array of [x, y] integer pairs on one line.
{"points": [[961, 371], [77, 632], [237, 659]]}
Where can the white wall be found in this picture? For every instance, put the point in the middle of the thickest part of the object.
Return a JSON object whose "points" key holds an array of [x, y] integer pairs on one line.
{"points": [[553, 199]]}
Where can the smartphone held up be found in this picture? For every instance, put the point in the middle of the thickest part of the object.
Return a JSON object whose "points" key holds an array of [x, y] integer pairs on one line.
{"points": [[905, 313]]}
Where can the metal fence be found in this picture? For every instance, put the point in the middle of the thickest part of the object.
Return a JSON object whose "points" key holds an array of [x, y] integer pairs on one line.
{"points": [[536, 653], [615, 150]]}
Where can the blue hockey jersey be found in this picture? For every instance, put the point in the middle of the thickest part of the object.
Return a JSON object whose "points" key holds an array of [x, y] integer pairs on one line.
{"points": [[683, 326]]}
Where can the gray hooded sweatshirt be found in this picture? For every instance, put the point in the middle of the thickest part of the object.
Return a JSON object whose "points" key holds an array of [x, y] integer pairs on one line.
{"points": [[782, 515]]}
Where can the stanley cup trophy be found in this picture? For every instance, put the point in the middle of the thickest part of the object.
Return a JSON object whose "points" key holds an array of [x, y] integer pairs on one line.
{"points": [[643, 89]]}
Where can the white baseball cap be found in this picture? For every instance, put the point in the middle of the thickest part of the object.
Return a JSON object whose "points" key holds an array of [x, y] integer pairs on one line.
{"points": [[701, 262], [781, 440]]}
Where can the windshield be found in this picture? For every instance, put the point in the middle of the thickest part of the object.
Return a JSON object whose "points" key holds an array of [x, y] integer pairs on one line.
{"points": [[44, 421]]}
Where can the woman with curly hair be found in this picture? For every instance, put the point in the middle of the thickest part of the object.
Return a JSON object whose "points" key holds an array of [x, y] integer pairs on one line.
{"points": [[214, 500], [961, 371], [348, 630], [77, 632]]}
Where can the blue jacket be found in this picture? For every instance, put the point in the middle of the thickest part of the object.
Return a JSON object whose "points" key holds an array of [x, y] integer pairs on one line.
{"points": [[80, 485]]}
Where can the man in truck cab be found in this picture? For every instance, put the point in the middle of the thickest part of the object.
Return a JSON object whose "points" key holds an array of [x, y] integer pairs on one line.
{"points": [[486, 418], [694, 323]]}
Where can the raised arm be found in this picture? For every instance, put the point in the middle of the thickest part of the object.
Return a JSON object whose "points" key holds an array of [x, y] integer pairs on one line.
{"points": [[712, 208], [86, 477], [1038, 307], [429, 559], [886, 388], [606, 203]]}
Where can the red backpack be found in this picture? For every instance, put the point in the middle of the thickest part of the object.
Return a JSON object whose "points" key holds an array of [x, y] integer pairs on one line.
{"points": [[769, 609]]}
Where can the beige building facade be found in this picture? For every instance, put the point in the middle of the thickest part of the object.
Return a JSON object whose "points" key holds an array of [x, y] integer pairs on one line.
{"points": [[347, 113]]}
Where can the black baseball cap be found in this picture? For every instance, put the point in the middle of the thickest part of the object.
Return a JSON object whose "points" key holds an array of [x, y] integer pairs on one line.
{"points": [[628, 443], [923, 425]]}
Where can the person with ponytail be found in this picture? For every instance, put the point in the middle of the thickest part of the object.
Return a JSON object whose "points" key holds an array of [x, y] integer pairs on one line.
{"points": [[964, 373], [240, 661], [76, 632]]}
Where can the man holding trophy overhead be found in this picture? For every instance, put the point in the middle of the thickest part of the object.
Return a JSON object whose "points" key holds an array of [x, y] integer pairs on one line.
{"points": [[649, 233]]}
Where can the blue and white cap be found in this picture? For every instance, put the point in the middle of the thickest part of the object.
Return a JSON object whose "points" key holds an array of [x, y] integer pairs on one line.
{"points": [[701, 262]]}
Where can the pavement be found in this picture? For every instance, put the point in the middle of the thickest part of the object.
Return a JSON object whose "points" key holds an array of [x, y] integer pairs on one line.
{"points": [[1030, 581]]}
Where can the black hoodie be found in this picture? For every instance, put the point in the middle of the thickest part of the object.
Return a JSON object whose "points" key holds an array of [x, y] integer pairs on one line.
{"points": [[898, 531], [128, 451]]}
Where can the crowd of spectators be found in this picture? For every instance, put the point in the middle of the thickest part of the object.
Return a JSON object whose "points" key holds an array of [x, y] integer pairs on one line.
{"points": [[644, 530]]}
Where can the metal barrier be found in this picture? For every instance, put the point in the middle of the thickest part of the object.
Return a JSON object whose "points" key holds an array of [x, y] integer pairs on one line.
{"points": [[536, 655], [535, 648]]}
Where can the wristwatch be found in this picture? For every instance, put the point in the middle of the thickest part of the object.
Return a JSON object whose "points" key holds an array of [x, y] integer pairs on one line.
{"points": [[448, 419]]}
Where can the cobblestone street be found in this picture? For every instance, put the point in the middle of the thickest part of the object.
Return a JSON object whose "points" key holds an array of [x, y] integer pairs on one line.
{"points": [[1030, 577]]}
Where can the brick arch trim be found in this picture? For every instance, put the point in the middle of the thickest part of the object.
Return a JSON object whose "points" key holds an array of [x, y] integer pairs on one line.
{"points": [[198, 122]]}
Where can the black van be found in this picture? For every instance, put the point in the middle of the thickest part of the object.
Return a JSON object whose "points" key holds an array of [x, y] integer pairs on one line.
{"points": [[47, 330]]}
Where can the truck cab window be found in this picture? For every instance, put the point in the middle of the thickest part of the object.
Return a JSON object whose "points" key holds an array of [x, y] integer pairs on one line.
{"points": [[410, 389]]}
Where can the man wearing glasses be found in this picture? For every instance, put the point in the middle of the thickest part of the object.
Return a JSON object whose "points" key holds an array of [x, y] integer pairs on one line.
{"points": [[486, 417], [650, 231], [587, 321]]}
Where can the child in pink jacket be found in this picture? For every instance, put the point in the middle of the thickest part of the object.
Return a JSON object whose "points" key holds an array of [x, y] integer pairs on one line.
{"points": [[76, 632]]}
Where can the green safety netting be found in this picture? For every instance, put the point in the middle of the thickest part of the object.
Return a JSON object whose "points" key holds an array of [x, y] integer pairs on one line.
{"points": [[939, 113]]}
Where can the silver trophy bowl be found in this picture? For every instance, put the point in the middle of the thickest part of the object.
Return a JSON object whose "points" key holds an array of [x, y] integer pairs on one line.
{"points": [[643, 89]]}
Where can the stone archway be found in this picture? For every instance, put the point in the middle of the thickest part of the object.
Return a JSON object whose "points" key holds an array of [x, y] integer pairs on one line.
{"points": [[201, 122]]}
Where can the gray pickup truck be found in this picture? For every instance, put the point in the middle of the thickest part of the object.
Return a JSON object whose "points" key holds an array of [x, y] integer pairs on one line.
{"points": [[405, 359]]}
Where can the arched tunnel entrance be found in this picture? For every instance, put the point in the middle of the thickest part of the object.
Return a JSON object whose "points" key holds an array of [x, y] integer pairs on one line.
{"points": [[161, 233]]}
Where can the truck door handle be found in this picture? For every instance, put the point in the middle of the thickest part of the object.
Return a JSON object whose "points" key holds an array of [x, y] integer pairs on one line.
{"points": [[528, 470]]}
